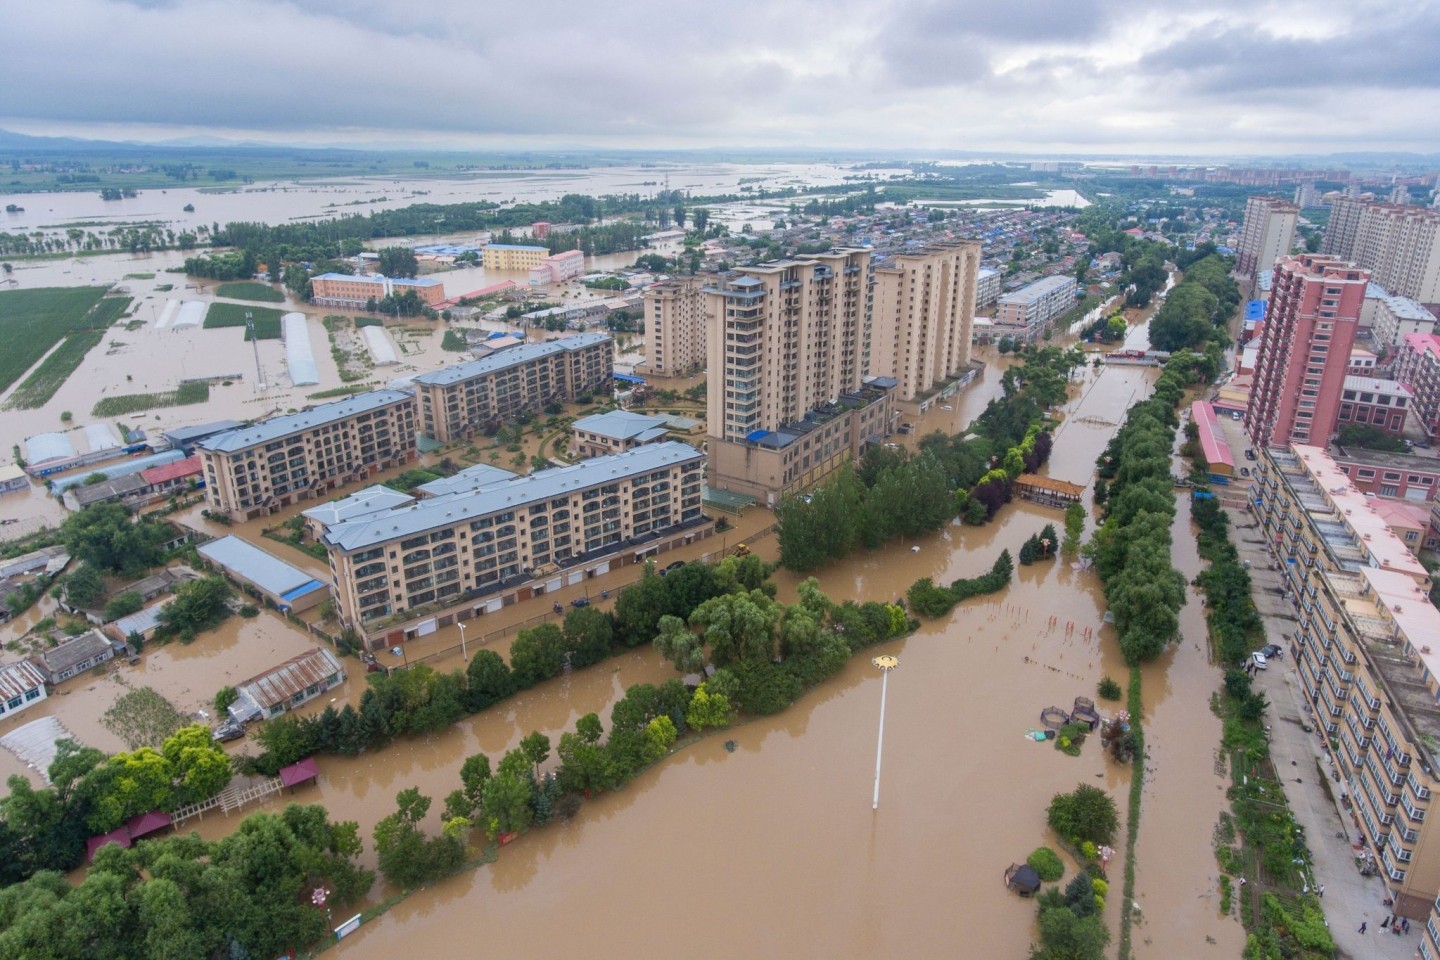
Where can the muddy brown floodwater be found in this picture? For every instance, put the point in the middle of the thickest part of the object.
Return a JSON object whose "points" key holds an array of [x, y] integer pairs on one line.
{"points": [[777, 839]]}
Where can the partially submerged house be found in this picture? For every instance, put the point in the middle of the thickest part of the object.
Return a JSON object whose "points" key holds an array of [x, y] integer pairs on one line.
{"points": [[287, 686]]}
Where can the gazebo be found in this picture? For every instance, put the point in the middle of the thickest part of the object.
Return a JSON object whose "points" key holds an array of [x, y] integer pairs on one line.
{"points": [[1022, 878], [144, 824], [120, 835], [302, 771]]}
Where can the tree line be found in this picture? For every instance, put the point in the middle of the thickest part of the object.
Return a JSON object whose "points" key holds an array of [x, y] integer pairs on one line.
{"points": [[1132, 547], [896, 493]]}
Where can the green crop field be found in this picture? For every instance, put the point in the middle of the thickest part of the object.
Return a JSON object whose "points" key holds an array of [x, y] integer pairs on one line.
{"points": [[33, 321], [248, 290], [267, 319], [127, 403], [37, 389]]}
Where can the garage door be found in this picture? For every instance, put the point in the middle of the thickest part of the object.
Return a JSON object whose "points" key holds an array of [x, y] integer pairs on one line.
{"points": [[425, 627], [493, 606], [552, 585], [602, 568], [574, 577]]}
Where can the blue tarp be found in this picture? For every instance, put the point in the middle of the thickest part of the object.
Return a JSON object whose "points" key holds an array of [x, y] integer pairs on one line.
{"points": [[627, 378], [1255, 310]]}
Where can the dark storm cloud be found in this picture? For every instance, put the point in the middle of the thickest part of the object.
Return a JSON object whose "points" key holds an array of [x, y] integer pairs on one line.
{"points": [[974, 73], [1401, 53]]}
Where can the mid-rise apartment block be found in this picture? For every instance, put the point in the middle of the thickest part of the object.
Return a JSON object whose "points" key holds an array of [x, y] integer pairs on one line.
{"points": [[921, 317], [788, 401], [675, 325], [1024, 313], [464, 546], [512, 256], [557, 268], [356, 291], [1363, 658], [255, 470], [987, 287], [1267, 234], [1304, 352], [1418, 367], [1372, 402], [1398, 244], [487, 393], [1390, 318]]}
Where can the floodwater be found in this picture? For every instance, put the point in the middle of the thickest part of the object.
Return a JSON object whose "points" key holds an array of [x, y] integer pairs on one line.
{"points": [[964, 792], [1185, 787], [187, 676], [284, 201], [963, 796]]}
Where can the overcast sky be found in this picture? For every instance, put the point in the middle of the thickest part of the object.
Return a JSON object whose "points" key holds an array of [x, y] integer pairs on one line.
{"points": [[1208, 77]]}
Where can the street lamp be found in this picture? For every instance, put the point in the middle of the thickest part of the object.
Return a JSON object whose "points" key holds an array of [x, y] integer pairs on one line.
{"points": [[886, 663], [463, 654]]}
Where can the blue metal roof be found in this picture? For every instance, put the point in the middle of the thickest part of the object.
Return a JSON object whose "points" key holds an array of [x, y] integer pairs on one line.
{"points": [[510, 357], [263, 569], [446, 511], [277, 427]]}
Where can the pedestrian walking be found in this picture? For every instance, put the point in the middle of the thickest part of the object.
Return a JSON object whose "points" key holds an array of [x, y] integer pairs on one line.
{"points": [[1363, 925], [1386, 922], [1405, 925], [1320, 890]]}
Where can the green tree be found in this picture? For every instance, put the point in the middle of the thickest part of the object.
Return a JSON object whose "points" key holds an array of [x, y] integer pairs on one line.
{"points": [[707, 709], [85, 587], [398, 262], [536, 748], [399, 842], [537, 654], [738, 626], [107, 536], [1086, 813], [123, 604], [197, 762], [680, 645], [588, 636], [197, 606], [488, 680]]}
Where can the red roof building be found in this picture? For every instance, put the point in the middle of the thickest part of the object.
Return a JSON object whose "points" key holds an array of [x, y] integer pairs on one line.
{"points": [[171, 475]]}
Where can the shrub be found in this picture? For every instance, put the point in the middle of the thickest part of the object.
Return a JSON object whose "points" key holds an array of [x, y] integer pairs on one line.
{"points": [[1047, 863], [1108, 689], [249, 610], [1086, 813]]}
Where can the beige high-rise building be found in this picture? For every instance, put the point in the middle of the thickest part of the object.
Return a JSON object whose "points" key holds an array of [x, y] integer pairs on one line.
{"points": [[1267, 235], [922, 317], [787, 400], [255, 470], [483, 394], [675, 326], [527, 534], [1398, 244]]}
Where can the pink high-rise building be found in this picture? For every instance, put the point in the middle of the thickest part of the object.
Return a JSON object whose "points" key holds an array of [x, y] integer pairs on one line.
{"points": [[1304, 353], [1418, 367]]}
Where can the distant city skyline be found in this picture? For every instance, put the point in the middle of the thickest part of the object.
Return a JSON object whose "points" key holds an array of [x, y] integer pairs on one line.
{"points": [[1223, 77]]}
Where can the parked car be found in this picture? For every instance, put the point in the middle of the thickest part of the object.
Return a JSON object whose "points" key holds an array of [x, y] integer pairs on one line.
{"points": [[1273, 651], [227, 731], [1257, 659], [579, 602], [674, 566]]}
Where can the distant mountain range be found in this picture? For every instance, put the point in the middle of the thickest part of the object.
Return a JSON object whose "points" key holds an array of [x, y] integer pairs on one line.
{"points": [[12, 142]]}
